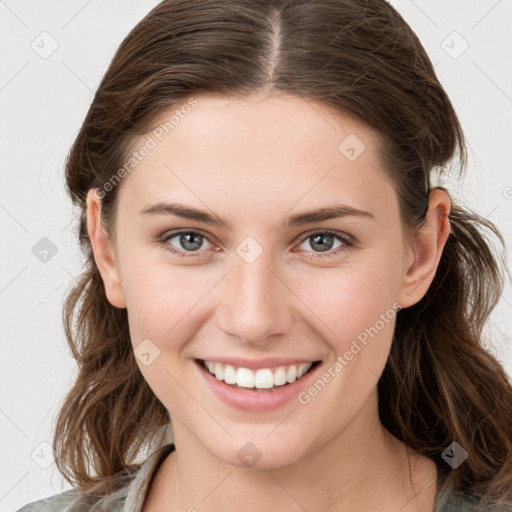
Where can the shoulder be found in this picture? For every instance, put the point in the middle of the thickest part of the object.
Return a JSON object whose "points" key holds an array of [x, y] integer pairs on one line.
{"points": [[99, 498], [450, 500], [126, 488], [462, 502], [102, 497], [60, 502], [109, 494]]}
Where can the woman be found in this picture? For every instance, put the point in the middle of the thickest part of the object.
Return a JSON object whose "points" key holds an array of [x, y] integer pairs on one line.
{"points": [[274, 272]]}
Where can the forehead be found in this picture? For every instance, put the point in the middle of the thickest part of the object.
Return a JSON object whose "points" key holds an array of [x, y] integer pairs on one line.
{"points": [[259, 151]]}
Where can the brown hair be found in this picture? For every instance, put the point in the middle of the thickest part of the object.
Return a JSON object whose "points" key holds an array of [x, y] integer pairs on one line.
{"points": [[362, 59]]}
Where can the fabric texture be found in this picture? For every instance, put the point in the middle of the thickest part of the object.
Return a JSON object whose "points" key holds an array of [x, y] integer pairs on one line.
{"points": [[128, 490]]}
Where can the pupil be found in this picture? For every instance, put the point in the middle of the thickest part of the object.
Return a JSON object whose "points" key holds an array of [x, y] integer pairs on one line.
{"points": [[322, 238], [185, 240]]}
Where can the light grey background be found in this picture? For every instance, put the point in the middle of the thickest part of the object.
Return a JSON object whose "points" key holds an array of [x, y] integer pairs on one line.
{"points": [[43, 100]]}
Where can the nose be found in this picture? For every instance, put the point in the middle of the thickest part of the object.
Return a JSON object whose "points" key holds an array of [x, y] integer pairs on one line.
{"points": [[255, 304]]}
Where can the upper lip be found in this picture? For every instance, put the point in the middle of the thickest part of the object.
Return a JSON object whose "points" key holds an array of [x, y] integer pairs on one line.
{"points": [[255, 364]]}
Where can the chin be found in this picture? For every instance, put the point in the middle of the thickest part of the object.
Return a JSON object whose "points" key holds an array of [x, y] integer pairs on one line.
{"points": [[258, 452]]}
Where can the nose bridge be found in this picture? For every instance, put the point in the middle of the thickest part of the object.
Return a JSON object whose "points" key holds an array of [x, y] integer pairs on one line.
{"points": [[253, 301]]}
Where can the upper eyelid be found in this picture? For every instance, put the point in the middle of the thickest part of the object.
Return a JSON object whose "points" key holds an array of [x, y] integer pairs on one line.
{"points": [[334, 232], [173, 233]]}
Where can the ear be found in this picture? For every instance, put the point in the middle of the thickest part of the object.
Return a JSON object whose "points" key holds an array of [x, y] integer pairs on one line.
{"points": [[104, 255], [427, 247]]}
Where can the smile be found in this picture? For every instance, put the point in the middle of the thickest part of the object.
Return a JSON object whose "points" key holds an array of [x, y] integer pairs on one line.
{"points": [[265, 379]]}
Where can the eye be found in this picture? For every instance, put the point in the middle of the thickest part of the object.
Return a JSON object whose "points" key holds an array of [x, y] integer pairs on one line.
{"points": [[322, 241], [186, 242]]}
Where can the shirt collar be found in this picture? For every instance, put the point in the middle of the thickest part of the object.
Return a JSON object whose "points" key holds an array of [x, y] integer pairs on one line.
{"points": [[139, 486]]}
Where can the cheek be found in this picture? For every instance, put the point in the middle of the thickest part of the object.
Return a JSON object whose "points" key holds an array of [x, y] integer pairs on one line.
{"points": [[351, 298], [357, 308], [157, 294], [164, 314], [162, 300]]}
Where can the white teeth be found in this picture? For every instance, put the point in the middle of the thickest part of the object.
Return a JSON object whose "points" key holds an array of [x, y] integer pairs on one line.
{"points": [[280, 376], [303, 368], [229, 374], [245, 378], [219, 371], [263, 378], [291, 374]]}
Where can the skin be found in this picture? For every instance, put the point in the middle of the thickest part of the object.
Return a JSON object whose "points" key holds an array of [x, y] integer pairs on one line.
{"points": [[254, 161]]}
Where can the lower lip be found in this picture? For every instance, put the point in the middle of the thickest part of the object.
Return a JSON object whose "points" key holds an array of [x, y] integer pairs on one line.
{"points": [[252, 400]]}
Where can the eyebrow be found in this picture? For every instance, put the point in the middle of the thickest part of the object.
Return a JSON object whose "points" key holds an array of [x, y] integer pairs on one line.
{"points": [[322, 214]]}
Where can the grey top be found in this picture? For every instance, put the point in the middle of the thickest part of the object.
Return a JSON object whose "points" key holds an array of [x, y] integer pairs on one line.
{"points": [[131, 486]]}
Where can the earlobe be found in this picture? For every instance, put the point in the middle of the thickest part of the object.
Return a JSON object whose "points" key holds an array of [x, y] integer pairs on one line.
{"points": [[103, 252], [427, 248]]}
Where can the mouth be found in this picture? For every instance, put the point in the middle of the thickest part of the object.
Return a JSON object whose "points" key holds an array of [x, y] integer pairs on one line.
{"points": [[268, 379]]}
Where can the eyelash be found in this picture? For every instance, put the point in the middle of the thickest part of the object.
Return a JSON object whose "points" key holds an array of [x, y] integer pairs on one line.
{"points": [[347, 242]]}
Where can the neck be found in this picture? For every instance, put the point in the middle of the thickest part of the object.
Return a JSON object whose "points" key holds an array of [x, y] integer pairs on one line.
{"points": [[362, 468]]}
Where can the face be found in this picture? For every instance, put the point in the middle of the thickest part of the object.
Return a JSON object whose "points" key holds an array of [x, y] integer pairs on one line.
{"points": [[252, 284]]}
